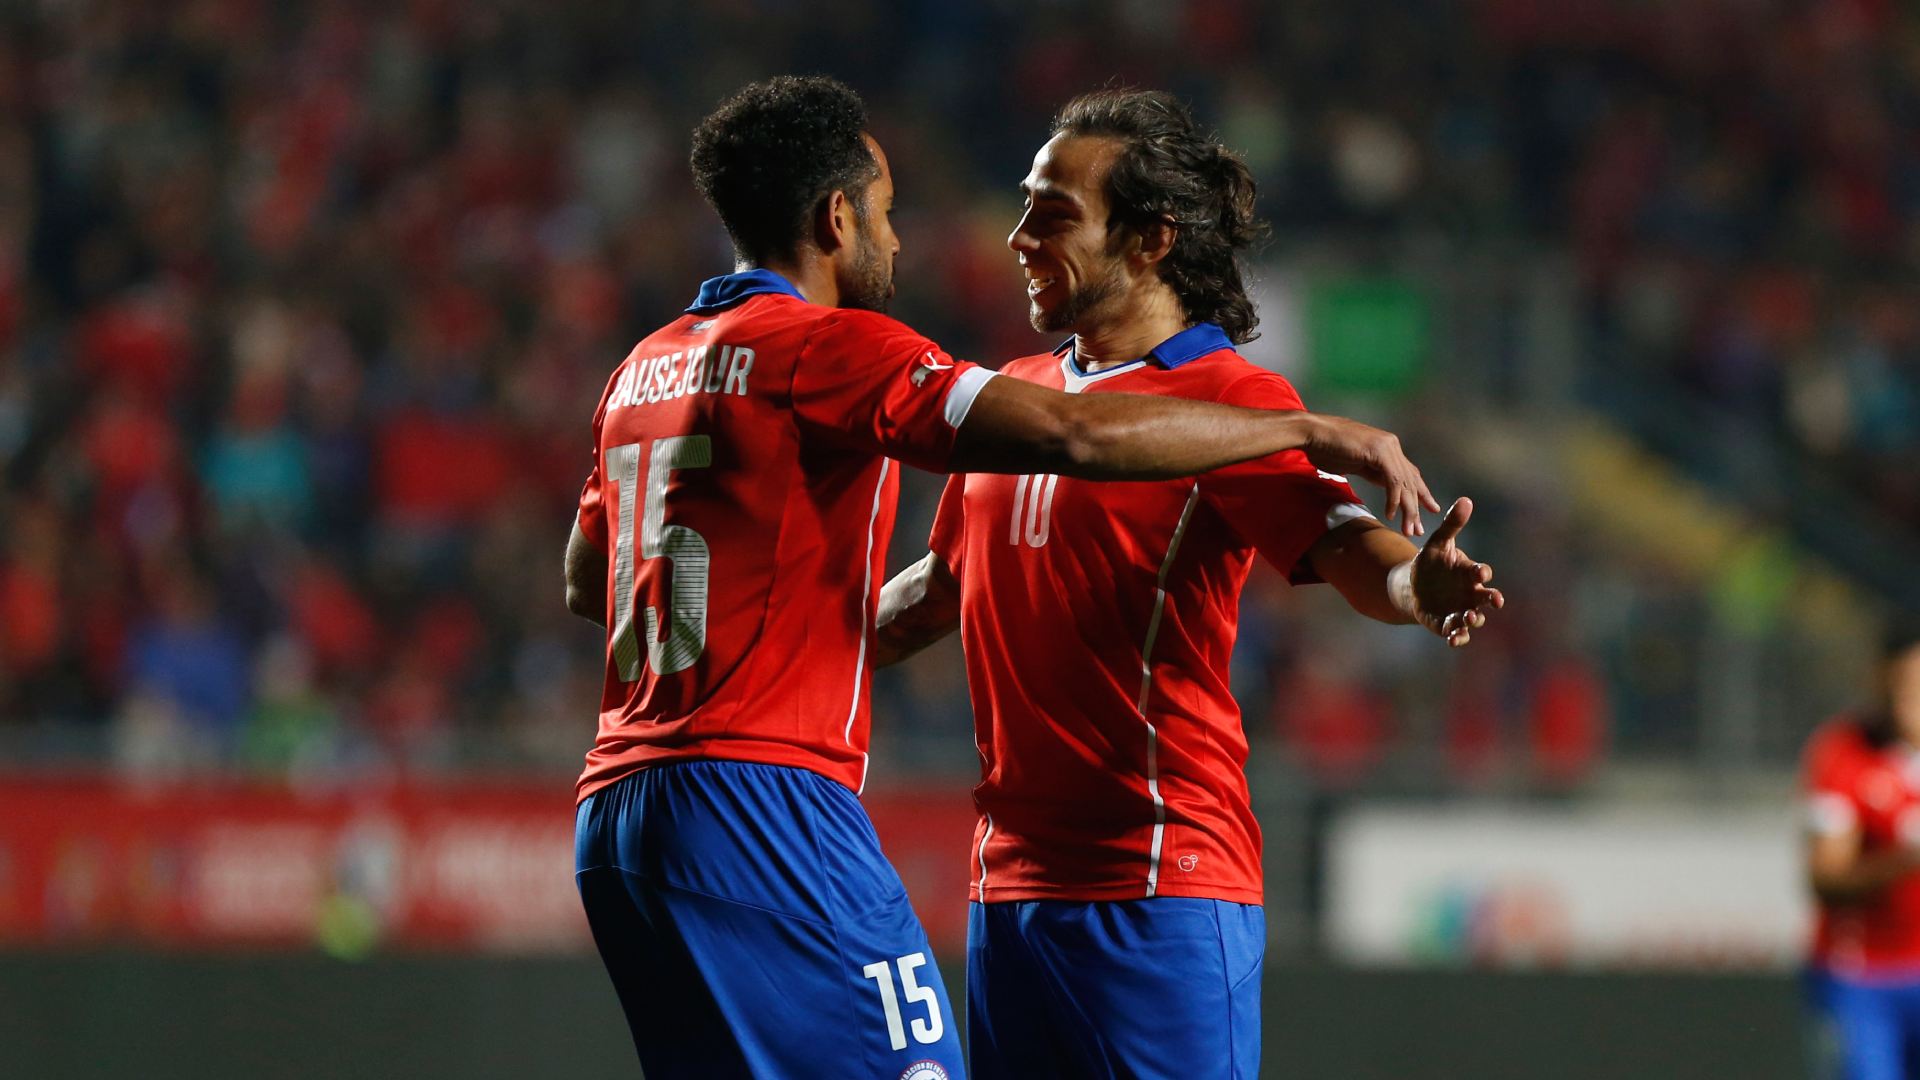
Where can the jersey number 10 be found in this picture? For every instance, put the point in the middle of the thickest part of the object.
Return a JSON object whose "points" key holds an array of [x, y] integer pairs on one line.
{"points": [[1032, 500], [675, 646]]}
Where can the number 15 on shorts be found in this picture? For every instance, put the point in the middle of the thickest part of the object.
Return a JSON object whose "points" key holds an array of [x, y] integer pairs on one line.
{"points": [[928, 1030]]}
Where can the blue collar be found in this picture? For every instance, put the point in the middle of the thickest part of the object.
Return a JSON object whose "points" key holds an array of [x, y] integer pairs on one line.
{"points": [[717, 294], [1194, 342]]}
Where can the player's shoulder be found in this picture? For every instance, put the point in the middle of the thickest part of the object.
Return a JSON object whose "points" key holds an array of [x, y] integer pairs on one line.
{"points": [[1032, 368], [833, 333], [1235, 380], [858, 322], [681, 326], [766, 315], [761, 315]]}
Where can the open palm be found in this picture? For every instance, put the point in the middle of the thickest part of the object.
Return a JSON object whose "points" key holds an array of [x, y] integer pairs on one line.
{"points": [[1451, 596]]}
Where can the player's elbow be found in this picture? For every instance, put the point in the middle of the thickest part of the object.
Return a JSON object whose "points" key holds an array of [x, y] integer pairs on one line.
{"points": [[584, 603], [1090, 450], [1832, 881], [1076, 443], [1054, 439], [586, 576], [1827, 890], [576, 599], [1017, 427], [1831, 885]]}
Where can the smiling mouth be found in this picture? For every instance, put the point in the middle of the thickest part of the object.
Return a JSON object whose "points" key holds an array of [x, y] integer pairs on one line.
{"points": [[1037, 285]]}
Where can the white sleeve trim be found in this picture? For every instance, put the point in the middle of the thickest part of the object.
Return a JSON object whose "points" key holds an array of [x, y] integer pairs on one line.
{"points": [[1342, 513], [965, 388], [1829, 814]]}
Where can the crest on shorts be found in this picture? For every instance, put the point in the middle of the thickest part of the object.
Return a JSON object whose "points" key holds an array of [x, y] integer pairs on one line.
{"points": [[924, 1070]]}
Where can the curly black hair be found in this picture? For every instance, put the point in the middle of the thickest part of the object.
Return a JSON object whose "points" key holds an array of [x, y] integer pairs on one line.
{"points": [[773, 150], [1172, 171]]}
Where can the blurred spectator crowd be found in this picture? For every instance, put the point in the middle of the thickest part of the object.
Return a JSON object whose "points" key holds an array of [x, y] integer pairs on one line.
{"points": [[304, 307]]}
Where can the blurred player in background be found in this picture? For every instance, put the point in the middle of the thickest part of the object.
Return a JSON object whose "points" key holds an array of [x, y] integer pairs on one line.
{"points": [[1117, 927], [1863, 863], [728, 536]]}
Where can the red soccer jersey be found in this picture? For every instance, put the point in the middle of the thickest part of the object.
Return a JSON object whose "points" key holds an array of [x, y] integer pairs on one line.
{"points": [[1098, 620], [741, 495], [1852, 783]]}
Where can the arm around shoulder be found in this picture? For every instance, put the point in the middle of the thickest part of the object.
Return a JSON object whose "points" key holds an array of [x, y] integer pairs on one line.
{"points": [[1016, 426]]}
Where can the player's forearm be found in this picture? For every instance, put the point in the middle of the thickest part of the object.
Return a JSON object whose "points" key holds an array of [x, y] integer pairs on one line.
{"points": [[1013, 426], [586, 570], [1371, 567], [1862, 876], [1017, 427], [1137, 437], [918, 607], [1141, 437]]}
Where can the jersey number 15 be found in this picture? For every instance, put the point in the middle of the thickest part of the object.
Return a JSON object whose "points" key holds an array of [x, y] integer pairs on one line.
{"points": [[675, 646]]}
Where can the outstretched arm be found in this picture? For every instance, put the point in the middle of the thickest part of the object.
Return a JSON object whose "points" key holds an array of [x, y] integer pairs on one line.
{"points": [[586, 578], [1015, 426], [918, 607], [1438, 586]]}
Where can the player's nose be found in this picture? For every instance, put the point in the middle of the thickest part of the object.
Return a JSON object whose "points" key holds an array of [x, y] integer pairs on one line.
{"points": [[1021, 241]]}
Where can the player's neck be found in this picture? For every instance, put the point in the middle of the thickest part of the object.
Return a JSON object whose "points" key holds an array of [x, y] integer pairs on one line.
{"points": [[1137, 320], [1124, 340], [812, 276]]}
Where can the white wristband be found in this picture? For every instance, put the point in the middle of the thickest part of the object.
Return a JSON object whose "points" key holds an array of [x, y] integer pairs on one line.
{"points": [[1400, 590]]}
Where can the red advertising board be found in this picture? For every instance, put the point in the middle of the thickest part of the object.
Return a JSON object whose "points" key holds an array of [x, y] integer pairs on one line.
{"points": [[483, 865]]}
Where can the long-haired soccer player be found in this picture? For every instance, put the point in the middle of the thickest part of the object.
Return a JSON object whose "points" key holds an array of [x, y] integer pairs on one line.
{"points": [[728, 537], [1862, 776], [1117, 927]]}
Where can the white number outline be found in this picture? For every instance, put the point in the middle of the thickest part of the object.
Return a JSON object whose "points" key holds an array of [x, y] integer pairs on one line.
{"points": [[684, 638]]}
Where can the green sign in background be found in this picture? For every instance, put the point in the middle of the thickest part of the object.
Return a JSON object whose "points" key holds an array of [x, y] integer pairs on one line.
{"points": [[1366, 335]]}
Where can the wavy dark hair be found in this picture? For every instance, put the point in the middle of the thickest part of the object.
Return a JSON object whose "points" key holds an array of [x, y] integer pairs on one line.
{"points": [[773, 150], [1173, 171]]}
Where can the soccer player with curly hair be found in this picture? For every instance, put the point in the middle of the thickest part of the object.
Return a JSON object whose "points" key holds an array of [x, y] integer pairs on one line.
{"points": [[1117, 927]]}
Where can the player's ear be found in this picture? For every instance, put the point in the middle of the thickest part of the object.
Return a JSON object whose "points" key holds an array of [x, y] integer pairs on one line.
{"points": [[1155, 240], [833, 223]]}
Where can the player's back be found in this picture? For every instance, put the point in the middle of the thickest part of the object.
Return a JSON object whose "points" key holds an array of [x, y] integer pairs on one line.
{"points": [[744, 504]]}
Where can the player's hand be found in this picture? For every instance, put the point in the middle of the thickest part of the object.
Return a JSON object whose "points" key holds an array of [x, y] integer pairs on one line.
{"points": [[1344, 446], [1451, 596]]}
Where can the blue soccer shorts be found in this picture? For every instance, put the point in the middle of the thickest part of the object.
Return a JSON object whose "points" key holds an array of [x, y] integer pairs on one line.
{"points": [[1168, 987], [753, 929], [1868, 1029]]}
